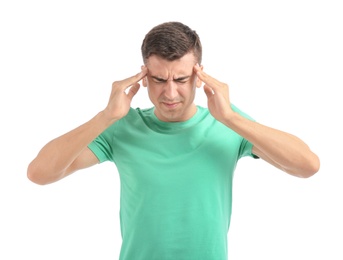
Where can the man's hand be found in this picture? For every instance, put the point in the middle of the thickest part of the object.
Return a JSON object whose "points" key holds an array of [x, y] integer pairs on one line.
{"points": [[69, 153], [121, 96], [217, 94]]}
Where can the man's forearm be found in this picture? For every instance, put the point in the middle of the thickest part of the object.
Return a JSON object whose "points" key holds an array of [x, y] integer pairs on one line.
{"points": [[287, 151], [56, 156]]}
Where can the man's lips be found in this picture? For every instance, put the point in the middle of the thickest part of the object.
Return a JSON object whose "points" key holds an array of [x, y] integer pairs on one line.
{"points": [[171, 104]]}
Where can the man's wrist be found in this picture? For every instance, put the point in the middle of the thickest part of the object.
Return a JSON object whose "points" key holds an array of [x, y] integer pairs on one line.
{"points": [[104, 120]]}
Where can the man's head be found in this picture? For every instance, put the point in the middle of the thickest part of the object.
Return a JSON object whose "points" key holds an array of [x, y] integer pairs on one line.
{"points": [[170, 52], [171, 41]]}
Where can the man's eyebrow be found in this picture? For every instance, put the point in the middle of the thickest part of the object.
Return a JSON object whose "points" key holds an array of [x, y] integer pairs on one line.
{"points": [[182, 78], [177, 79], [158, 78]]}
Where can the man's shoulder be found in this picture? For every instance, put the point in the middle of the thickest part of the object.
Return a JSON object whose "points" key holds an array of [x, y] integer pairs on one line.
{"points": [[136, 116], [144, 111]]}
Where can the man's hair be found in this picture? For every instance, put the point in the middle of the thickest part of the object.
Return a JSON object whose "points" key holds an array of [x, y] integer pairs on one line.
{"points": [[171, 41]]}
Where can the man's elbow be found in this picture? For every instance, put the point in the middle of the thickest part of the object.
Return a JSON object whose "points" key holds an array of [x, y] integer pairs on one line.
{"points": [[35, 175], [312, 168]]}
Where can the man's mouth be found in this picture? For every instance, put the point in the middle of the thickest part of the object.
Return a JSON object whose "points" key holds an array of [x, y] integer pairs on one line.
{"points": [[171, 105]]}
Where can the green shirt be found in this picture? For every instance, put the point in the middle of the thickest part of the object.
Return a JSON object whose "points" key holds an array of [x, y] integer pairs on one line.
{"points": [[176, 183]]}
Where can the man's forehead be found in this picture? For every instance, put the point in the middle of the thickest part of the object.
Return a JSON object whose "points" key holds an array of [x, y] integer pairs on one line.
{"points": [[167, 69], [161, 71], [184, 65]]}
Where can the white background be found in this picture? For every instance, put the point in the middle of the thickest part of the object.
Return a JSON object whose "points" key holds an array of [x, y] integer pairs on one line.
{"points": [[283, 61]]}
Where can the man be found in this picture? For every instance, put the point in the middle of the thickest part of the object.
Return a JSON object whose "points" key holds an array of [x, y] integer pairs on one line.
{"points": [[176, 160]]}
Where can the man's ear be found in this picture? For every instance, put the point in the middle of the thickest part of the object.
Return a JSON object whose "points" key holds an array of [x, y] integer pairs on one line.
{"points": [[144, 81], [198, 80]]}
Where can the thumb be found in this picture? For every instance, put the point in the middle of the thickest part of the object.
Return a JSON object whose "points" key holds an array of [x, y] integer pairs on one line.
{"points": [[133, 90], [208, 91]]}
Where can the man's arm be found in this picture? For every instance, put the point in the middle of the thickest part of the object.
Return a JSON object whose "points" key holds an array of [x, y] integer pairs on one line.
{"points": [[69, 153], [283, 150]]}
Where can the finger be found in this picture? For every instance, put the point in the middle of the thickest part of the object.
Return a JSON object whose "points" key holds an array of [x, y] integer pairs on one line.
{"points": [[128, 82], [207, 79], [133, 91], [208, 91]]}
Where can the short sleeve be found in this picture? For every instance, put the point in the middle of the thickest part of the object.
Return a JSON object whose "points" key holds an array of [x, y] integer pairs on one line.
{"points": [[246, 146], [246, 149], [102, 145]]}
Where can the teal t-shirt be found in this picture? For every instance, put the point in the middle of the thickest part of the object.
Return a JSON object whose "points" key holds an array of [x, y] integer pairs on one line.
{"points": [[176, 183]]}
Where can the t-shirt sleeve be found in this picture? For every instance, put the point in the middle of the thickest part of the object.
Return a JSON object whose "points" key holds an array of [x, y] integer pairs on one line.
{"points": [[246, 146], [101, 146], [246, 149]]}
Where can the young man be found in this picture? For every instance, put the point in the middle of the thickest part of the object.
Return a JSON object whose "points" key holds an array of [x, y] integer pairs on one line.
{"points": [[176, 159]]}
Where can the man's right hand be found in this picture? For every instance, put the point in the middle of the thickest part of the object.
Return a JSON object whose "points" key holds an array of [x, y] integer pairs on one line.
{"points": [[121, 96]]}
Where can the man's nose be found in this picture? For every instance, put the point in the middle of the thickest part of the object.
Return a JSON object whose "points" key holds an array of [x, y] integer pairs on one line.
{"points": [[170, 90]]}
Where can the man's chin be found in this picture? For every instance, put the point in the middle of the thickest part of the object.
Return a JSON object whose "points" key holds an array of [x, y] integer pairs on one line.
{"points": [[169, 115]]}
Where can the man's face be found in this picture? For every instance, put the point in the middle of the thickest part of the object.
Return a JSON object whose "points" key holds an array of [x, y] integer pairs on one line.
{"points": [[171, 87]]}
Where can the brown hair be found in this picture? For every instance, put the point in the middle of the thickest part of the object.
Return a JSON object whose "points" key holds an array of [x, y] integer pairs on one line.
{"points": [[171, 41]]}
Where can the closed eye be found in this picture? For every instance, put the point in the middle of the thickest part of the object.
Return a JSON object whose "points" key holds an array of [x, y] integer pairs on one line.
{"points": [[159, 80], [182, 79]]}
